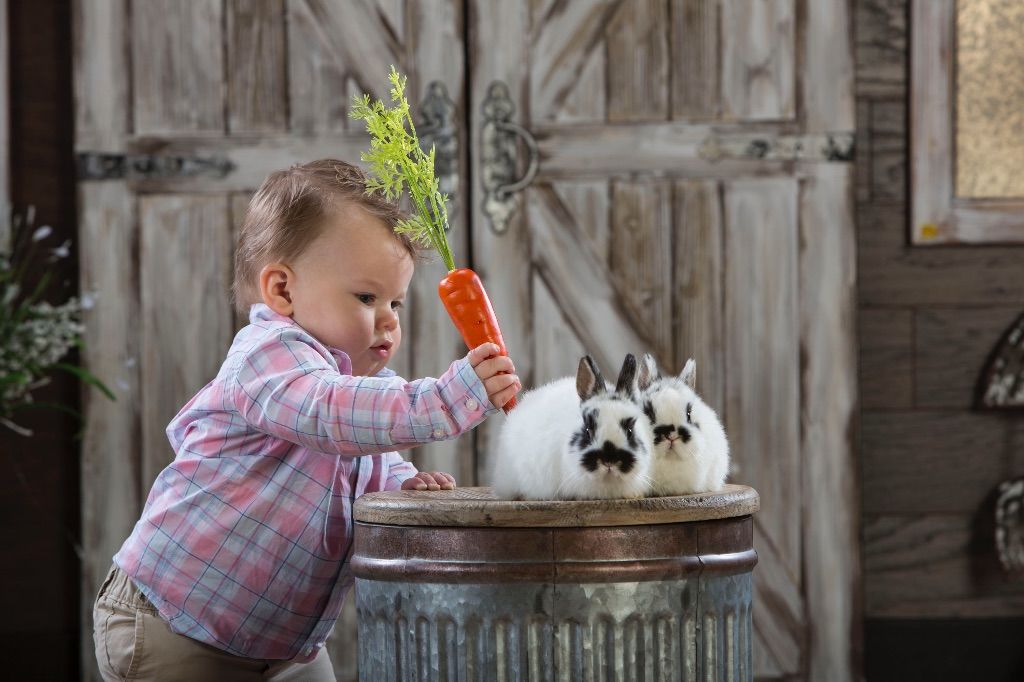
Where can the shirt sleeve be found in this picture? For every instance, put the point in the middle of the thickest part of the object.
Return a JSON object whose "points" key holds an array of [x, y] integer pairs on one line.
{"points": [[399, 471], [286, 388]]}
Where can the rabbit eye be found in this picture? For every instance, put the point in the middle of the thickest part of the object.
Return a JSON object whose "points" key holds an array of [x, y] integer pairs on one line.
{"points": [[689, 412]]}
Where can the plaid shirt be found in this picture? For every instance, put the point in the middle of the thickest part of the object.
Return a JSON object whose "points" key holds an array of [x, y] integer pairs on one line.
{"points": [[245, 538]]}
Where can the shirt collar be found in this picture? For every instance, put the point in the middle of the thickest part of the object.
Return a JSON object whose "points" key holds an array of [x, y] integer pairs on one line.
{"points": [[261, 312]]}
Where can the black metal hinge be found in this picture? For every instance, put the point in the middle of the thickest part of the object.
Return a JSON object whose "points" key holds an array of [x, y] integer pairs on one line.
{"points": [[104, 166]]}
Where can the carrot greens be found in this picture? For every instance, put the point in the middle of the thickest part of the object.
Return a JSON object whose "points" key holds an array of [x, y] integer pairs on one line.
{"points": [[396, 160]]}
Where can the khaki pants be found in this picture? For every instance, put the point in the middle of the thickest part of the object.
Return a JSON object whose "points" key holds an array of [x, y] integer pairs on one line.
{"points": [[134, 643]]}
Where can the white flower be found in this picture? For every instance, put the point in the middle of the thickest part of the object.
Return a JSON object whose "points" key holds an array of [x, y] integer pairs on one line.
{"points": [[42, 233], [62, 251]]}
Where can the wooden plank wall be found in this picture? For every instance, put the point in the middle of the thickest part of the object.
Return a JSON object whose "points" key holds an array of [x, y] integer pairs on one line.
{"points": [[928, 317]]}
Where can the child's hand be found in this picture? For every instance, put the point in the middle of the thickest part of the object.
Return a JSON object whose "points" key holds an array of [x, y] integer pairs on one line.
{"points": [[436, 480], [496, 371]]}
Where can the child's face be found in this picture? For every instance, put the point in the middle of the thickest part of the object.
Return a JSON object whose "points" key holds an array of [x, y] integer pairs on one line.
{"points": [[349, 285]]}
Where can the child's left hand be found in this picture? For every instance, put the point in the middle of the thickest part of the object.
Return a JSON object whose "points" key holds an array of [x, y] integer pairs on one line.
{"points": [[434, 480]]}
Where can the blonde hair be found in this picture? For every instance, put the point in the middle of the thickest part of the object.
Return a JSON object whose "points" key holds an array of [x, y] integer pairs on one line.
{"points": [[287, 213]]}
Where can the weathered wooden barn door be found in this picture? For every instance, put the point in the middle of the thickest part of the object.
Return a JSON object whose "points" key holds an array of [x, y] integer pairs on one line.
{"points": [[692, 198], [182, 108]]}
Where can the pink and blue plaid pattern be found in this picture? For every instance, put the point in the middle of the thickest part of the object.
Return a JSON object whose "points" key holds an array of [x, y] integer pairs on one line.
{"points": [[245, 538]]}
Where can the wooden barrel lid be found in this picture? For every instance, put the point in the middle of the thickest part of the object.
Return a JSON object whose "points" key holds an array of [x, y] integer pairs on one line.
{"points": [[479, 507]]}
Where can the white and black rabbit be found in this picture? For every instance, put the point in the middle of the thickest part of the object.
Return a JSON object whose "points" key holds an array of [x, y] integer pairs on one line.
{"points": [[576, 439], [691, 451]]}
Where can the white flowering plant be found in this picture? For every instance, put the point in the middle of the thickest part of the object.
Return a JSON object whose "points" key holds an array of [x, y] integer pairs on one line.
{"points": [[35, 335]]}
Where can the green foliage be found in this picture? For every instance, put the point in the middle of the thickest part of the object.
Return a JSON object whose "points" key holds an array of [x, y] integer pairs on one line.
{"points": [[397, 161], [35, 335]]}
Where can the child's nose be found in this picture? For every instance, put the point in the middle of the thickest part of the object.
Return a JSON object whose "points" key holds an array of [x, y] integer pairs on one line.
{"points": [[389, 320]]}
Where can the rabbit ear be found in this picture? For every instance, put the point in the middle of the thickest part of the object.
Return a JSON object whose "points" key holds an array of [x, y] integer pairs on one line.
{"points": [[689, 373], [589, 381], [648, 373], [626, 384]]}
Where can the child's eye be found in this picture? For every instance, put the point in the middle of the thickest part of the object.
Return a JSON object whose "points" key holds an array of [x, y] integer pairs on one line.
{"points": [[395, 305], [366, 299]]}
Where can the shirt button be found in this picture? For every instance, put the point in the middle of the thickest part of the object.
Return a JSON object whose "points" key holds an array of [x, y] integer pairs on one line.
{"points": [[309, 650], [472, 404], [438, 432]]}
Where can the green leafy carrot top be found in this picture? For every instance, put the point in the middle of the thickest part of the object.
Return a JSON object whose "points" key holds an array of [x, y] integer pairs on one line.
{"points": [[396, 159]]}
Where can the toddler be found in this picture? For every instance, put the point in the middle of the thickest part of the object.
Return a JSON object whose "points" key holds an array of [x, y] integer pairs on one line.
{"points": [[238, 567]]}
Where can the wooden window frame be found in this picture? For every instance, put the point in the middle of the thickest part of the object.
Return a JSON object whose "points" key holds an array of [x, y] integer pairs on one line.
{"points": [[938, 216]]}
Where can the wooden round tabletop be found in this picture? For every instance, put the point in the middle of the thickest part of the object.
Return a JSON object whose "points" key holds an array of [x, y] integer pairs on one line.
{"points": [[479, 507]]}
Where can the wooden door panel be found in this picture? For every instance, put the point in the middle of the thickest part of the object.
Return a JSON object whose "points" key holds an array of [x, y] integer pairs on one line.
{"points": [[637, 46], [758, 59], [653, 114], [641, 259], [569, 42], [762, 361], [177, 67], [262, 85], [257, 80], [185, 253], [697, 285]]}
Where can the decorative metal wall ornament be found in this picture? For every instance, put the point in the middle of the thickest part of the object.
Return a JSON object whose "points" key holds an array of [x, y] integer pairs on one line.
{"points": [[1010, 525], [1002, 382], [438, 130], [498, 144], [103, 166]]}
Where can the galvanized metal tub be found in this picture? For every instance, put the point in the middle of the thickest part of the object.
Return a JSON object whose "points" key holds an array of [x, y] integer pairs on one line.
{"points": [[458, 585]]}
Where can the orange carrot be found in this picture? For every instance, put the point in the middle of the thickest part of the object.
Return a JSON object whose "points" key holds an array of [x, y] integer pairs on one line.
{"points": [[467, 304], [397, 161]]}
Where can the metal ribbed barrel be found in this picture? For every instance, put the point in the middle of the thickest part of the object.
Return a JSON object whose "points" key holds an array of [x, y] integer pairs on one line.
{"points": [[463, 587]]}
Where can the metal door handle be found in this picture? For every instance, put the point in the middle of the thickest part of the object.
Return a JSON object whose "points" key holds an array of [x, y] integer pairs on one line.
{"points": [[437, 128], [498, 143]]}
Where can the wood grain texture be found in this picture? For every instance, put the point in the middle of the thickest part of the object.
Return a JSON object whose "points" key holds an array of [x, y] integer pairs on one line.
{"points": [[641, 261], [880, 27], [762, 359], [827, 71], [762, 347], [581, 285], [758, 59], [886, 359], [111, 445], [935, 461], [103, 108], [828, 413], [480, 507], [557, 347], [951, 347], [638, 62], [936, 566], [186, 322], [257, 66], [698, 292], [435, 37], [566, 39], [108, 268], [684, 150], [177, 67], [695, 85], [887, 153], [589, 202], [894, 274], [931, 133]]}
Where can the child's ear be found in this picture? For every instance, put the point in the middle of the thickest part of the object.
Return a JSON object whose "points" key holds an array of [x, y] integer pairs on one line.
{"points": [[276, 282]]}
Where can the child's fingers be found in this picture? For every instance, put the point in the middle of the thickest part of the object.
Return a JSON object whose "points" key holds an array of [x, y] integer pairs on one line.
{"points": [[446, 481], [414, 483], [501, 388], [432, 483], [482, 352], [497, 365]]}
